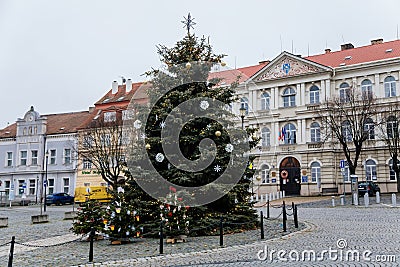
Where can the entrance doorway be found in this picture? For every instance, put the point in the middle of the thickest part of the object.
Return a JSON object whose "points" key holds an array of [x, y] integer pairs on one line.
{"points": [[289, 176]]}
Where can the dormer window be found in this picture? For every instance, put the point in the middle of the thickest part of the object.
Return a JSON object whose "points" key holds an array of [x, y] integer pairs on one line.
{"points": [[110, 116]]}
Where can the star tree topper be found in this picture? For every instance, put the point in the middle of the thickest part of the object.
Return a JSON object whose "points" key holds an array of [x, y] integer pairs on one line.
{"points": [[188, 22]]}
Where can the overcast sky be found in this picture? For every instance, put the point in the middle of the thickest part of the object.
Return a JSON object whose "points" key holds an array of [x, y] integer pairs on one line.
{"points": [[61, 56]]}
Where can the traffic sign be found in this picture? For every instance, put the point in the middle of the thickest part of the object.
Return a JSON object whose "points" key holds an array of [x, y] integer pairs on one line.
{"points": [[45, 183], [342, 163]]}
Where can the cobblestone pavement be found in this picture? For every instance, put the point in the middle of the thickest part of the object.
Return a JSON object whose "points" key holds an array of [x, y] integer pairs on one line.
{"points": [[341, 231]]}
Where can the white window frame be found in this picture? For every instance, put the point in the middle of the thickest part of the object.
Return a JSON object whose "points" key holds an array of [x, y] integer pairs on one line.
{"points": [[50, 185], [66, 186], [34, 157], [127, 114], [244, 103], [86, 164], [265, 101], [314, 94], [67, 156], [53, 157], [290, 137], [110, 116], [32, 187], [315, 172], [390, 86], [370, 170], [369, 128], [366, 88], [289, 97], [344, 92], [265, 179], [392, 173], [315, 132], [9, 159], [23, 157], [265, 137], [346, 131]]}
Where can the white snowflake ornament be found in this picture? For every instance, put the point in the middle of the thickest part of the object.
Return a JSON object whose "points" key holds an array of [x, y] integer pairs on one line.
{"points": [[204, 105], [137, 124], [160, 157], [217, 168], [229, 148]]}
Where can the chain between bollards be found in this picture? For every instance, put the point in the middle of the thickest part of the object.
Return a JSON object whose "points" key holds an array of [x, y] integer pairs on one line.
{"points": [[284, 216], [161, 237], [221, 232], [11, 255], [91, 237], [296, 221], [262, 224]]}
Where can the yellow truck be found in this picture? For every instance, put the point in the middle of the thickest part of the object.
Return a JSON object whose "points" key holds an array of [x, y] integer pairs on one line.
{"points": [[82, 194]]}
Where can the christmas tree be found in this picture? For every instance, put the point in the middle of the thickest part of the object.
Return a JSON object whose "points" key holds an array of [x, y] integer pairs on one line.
{"points": [[122, 218], [188, 137], [89, 216]]}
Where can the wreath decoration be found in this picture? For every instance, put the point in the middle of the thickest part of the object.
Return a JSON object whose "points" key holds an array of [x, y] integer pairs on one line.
{"points": [[284, 174]]}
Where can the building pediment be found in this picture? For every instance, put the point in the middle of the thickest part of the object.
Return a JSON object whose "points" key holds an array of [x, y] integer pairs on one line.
{"points": [[288, 65]]}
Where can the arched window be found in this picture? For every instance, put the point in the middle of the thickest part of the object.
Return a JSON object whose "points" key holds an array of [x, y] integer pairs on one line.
{"points": [[346, 131], [265, 174], [314, 94], [344, 92], [392, 127], [289, 134], [366, 88], [266, 137], [244, 103], [392, 173], [265, 98], [315, 172], [370, 170], [390, 86], [369, 129], [289, 97], [315, 130]]}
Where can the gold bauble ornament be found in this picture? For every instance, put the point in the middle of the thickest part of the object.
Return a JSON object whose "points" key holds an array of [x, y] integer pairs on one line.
{"points": [[147, 146], [217, 133], [223, 64], [188, 65]]}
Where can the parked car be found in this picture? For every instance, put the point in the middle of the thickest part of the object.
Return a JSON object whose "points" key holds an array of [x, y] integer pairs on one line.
{"points": [[59, 199], [368, 186]]}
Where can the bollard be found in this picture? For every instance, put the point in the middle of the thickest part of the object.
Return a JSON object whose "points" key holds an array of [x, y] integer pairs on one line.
{"points": [[273, 196], [284, 216], [270, 196], [342, 200], [277, 194], [394, 200], [266, 197], [261, 198], [11, 255], [355, 199], [284, 194], [292, 206], [378, 197], [280, 194], [161, 237], [333, 201], [268, 209], [221, 232], [296, 221], [257, 198], [366, 200], [91, 237], [262, 224]]}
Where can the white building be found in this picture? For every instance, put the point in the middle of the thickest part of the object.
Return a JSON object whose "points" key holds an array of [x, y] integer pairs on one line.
{"points": [[284, 94]]}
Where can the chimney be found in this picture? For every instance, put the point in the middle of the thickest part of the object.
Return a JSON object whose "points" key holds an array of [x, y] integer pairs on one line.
{"points": [[128, 85], [266, 62], [327, 51], [346, 46], [114, 87], [376, 41]]}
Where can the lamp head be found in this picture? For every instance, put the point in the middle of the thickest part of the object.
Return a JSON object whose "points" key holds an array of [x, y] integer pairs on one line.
{"points": [[242, 111]]}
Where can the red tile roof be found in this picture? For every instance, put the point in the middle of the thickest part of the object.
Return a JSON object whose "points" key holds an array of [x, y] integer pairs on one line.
{"points": [[56, 124], [229, 76], [358, 55], [121, 97]]}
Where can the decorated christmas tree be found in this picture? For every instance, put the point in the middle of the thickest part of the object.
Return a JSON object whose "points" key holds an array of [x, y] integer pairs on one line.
{"points": [[89, 216], [188, 138], [122, 218]]}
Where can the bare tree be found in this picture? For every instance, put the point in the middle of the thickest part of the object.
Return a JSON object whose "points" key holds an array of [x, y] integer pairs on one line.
{"points": [[102, 144], [389, 132], [347, 120]]}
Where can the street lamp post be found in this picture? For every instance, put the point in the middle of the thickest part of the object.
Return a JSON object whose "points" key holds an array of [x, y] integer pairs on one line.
{"points": [[45, 180], [242, 114]]}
